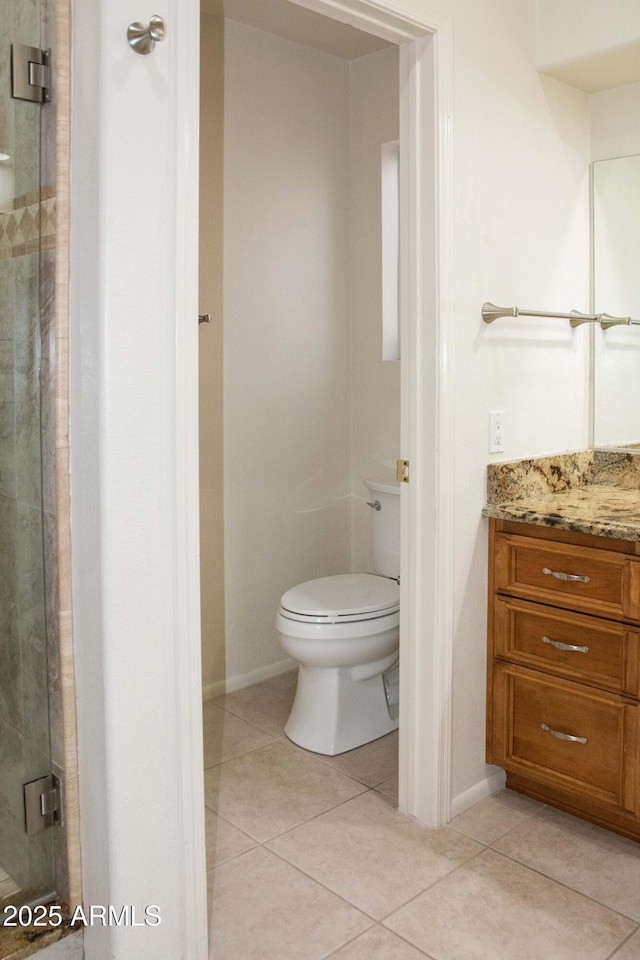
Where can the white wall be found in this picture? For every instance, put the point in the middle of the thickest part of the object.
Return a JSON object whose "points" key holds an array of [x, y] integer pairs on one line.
{"points": [[375, 384], [311, 410], [592, 44], [308, 403], [615, 122], [133, 310], [286, 338], [521, 153]]}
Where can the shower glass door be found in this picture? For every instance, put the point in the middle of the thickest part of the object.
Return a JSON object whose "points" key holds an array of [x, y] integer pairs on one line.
{"points": [[26, 861]]}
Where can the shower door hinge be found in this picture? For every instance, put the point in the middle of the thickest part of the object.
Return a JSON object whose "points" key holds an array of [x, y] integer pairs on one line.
{"points": [[41, 803], [402, 471], [30, 73]]}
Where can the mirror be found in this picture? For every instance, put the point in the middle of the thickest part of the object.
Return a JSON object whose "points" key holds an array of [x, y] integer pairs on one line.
{"points": [[616, 275]]}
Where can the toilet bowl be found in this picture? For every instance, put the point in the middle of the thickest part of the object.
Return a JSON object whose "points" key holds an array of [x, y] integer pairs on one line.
{"points": [[344, 633]]}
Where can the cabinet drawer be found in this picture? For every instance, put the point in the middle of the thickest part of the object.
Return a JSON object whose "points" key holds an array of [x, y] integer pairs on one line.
{"points": [[569, 644], [566, 735], [602, 582]]}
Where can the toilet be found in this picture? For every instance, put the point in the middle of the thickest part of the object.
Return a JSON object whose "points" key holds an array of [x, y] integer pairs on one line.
{"points": [[344, 633]]}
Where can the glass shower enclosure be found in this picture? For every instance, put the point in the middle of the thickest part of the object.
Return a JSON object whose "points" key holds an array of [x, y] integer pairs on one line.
{"points": [[26, 500]]}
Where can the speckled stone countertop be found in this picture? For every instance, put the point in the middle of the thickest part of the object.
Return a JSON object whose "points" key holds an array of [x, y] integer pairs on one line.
{"points": [[590, 491], [18, 943]]}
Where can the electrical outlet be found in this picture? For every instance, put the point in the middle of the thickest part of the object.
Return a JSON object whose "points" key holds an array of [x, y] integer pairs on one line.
{"points": [[496, 433]]}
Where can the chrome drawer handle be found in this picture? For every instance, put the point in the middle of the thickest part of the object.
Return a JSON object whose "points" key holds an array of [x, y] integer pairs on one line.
{"points": [[559, 645], [562, 736], [566, 576]]}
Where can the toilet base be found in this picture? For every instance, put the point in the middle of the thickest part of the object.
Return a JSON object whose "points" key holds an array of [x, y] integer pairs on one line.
{"points": [[333, 712]]}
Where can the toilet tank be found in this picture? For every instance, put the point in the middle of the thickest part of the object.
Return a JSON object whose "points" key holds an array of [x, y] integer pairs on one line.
{"points": [[385, 526]]}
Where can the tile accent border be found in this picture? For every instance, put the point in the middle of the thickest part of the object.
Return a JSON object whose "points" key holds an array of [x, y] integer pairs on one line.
{"points": [[28, 223]]}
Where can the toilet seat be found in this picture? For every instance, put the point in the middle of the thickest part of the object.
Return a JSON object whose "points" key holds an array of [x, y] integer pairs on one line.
{"points": [[341, 599]]}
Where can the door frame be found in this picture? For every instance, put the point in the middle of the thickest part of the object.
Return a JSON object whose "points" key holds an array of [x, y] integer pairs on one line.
{"points": [[423, 33]]}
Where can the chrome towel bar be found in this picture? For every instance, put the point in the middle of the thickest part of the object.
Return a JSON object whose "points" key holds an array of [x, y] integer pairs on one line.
{"points": [[491, 312]]}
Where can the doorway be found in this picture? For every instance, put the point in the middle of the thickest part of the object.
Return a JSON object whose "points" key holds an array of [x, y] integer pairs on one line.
{"points": [[298, 405], [428, 734]]}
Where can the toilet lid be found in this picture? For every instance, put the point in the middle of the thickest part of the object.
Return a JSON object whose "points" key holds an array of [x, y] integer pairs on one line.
{"points": [[349, 595]]}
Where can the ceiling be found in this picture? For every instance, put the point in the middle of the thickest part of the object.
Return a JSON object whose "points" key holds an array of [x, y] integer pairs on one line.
{"points": [[611, 68], [296, 23]]}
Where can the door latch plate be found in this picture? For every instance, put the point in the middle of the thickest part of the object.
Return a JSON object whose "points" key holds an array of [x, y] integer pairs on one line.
{"points": [[402, 471]]}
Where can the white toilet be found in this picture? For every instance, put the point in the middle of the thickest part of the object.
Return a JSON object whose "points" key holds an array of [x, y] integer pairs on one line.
{"points": [[344, 633]]}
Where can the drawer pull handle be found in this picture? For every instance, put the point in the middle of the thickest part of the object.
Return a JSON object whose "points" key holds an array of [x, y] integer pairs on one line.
{"points": [[559, 645], [566, 576], [562, 736]]}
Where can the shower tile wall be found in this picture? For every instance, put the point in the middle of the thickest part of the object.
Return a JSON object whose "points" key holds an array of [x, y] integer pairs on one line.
{"points": [[24, 718], [27, 228]]}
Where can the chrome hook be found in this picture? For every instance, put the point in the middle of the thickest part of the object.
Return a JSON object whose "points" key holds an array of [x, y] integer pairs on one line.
{"points": [[143, 37]]}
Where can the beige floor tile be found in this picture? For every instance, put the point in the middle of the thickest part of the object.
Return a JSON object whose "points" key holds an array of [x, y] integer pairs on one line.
{"points": [[227, 736], [372, 763], [389, 788], [224, 841], [273, 789], [266, 704], [371, 855], [593, 861], [378, 944], [264, 909], [492, 818], [629, 950], [494, 909]]}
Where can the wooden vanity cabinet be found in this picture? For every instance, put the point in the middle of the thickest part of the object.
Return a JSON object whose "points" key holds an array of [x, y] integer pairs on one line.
{"points": [[563, 681]]}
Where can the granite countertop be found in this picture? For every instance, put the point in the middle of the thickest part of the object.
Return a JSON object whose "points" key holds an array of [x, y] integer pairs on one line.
{"points": [[590, 491], [18, 943]]}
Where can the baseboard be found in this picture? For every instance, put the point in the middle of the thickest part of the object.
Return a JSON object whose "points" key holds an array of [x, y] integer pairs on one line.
{"points": [[220, 687], [212, 690], [479, 791]]}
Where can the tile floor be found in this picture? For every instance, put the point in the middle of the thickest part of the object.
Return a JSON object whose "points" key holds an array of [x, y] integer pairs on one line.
{"points": [[7, 885], [308, 858]]}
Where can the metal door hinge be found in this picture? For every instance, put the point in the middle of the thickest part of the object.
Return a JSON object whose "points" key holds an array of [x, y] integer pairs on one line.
{"points": [[30, 73], [41, 803], [402, 471]]}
